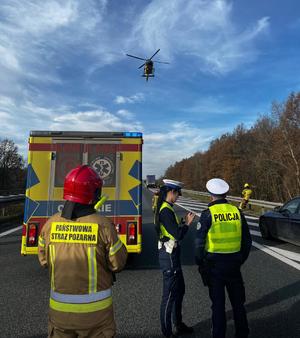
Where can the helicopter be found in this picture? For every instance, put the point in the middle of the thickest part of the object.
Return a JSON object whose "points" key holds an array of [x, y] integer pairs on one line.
{"points": [[148, 65]]}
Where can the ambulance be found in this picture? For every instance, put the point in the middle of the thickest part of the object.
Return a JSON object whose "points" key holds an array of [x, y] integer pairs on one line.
{"points": [[116, 156]]}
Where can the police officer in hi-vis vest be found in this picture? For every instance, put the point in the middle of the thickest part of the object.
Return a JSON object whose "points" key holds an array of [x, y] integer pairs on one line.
{"points": [[222, 245], [82, 250], [171, 231]]}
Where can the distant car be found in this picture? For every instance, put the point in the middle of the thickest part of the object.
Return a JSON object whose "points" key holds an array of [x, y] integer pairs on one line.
{"points": [[282, 222]]}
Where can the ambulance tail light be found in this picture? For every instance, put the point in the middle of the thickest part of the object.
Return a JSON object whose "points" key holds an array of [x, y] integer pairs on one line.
{"points": [[131, 233], [24, 230], [32, 234]]}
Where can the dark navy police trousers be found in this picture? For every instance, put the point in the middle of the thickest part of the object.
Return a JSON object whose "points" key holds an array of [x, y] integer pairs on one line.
{"points": [[222, 276], [173, 290]]}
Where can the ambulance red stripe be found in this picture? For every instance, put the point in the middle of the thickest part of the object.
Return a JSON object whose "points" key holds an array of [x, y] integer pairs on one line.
{"points": [[108, 148]]}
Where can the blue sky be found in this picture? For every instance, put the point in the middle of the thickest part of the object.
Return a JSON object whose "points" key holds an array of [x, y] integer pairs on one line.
{"points": [[63, 67]]}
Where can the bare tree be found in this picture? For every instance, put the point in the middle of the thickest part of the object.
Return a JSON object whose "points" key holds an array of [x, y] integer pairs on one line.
{"points": [[11, 167], [267, 156]]}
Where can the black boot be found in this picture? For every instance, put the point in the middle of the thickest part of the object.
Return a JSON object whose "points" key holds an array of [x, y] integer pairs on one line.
{"points": [[182, 329]]}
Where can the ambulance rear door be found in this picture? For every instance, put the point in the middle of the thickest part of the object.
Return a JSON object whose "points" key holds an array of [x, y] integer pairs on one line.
{"points": [[101, 154], [104, 157]]}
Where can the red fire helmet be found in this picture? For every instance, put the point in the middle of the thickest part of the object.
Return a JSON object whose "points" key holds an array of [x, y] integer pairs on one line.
{"points": [[81, 185]]}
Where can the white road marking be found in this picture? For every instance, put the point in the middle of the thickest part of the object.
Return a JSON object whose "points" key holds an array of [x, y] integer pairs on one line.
{"points": [[199, 210], [252, 217], [285, 256], [253, 224], [270, 251], [188, 209], [192, 203], [291, 255], [255, 233], [5, 233]]}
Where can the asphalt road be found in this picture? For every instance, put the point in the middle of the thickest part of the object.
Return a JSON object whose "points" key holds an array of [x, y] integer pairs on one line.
{"points": [[271, 277]]}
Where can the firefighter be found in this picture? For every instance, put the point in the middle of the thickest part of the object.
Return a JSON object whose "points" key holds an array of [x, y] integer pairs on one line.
{"points": [[222, 245], [170, 232], [246, 193], [82, 250]]}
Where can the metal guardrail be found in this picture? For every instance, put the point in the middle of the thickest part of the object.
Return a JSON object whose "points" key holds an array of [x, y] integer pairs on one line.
{"points": [[12, 198], [6, 202], [261, 203]]}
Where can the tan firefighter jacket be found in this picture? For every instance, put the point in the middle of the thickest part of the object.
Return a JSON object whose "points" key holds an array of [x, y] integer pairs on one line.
{"points": [[81, 255], [246, 193]]}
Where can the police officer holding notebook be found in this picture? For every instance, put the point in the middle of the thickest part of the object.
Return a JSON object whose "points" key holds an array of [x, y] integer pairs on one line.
{"points": [[222, 245], [170, 232]]}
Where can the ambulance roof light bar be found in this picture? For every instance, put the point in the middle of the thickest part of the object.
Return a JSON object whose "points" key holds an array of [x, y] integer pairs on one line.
{"points": [[87, 134], [133, 134]]}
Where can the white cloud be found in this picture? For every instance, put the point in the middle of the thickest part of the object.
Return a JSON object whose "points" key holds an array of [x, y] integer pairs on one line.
{"points": [[38, 37], [129, 99], [39, 17], [200, 28], [93, 120], [160, 148], [4, 116], [18, 118], [126, 114], [179, 141], [38, 40], [8, 59]]}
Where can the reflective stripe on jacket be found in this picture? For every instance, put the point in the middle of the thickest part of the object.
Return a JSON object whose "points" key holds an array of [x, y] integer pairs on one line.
{"points": [[163, 231], [81, 255], [224, 235]]}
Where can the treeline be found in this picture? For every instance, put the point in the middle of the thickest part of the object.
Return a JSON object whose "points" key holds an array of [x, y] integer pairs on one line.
{"points": [[12, 169], [267, 156]]}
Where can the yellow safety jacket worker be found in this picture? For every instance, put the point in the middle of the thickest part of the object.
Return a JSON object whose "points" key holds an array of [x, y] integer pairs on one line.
{"points": [[246, 193], [81, 255], [224, 235], [163, 231], [154, 202]]}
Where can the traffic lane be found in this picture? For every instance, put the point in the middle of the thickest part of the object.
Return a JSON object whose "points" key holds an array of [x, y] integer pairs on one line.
{"points": [[273, 246], [149, 238], [272, 289], [24, 291], [5, 226], [272, 295], [272, 299]]}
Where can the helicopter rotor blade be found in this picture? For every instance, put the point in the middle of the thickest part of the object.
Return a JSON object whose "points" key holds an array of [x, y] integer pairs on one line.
{"points": [[136, 57], [141, 66], [162, 62], [154, 54]]}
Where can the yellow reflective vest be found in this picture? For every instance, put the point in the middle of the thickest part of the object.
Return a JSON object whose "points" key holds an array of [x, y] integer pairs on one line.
{"points": [[224, 235], [163, 231], [154, 202]]}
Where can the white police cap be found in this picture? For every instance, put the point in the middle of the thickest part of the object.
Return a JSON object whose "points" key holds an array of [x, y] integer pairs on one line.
{"points": [[173, 184], [217, 186]]}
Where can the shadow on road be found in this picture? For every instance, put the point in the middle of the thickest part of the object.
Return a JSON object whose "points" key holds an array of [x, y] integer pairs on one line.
{"points": [[283, 324]]}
